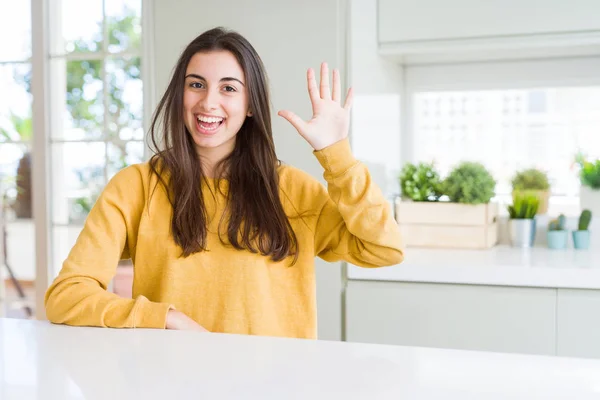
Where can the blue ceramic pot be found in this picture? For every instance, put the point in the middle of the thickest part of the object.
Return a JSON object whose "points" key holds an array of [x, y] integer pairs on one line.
{"points": [[558, 239], [581, 239]]}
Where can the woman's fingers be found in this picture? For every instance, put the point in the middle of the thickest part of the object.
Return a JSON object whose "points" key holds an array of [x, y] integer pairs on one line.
{"points": [[349, 99], [337, 86], [325, 90], [313, 90]]}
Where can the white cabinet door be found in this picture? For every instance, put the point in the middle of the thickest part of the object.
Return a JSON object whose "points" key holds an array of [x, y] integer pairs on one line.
{"points": [[487, 318], [409, 20], [578, 323]]}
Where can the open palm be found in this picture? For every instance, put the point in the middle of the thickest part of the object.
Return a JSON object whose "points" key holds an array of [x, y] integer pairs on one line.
{"points": [[330, 121]]}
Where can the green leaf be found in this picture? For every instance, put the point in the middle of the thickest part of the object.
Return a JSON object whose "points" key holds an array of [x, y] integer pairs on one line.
{"points": [[469, 183], [420, 182], [525, 206], [530, 179], [589, 173]]}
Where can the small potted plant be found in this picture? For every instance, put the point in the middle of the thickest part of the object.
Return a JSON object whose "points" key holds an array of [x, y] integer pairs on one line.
{"points": [[420, 182], [522, 224], [469, 183], [581, 237], [557, 233], [589, 176], [533, 181]]}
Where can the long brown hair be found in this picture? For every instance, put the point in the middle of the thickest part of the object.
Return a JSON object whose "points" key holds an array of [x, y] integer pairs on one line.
{"points": [[257, 221]]}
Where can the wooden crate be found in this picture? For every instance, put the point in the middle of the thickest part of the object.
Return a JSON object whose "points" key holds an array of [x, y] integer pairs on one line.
{"points": [[447, 225]]}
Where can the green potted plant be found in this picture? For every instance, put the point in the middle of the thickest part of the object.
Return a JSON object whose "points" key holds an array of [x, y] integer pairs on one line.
{"points": [[468, 220], [522, 223], [557, 233], [469, 183], [581, 237], [533, 181], [420, 182], [589, 176]]}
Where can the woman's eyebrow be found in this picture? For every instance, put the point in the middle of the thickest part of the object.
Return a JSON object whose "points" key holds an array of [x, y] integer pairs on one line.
{"points": [[227, 78]]}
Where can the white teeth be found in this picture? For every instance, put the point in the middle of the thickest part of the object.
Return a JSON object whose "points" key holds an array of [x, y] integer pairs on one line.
{"points": [[209, 119]]}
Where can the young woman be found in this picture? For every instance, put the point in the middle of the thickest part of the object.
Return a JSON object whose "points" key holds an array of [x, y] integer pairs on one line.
{"points": [[222, 235]]}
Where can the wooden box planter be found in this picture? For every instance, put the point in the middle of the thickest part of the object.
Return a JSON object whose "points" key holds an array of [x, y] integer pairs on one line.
{"points": [[447, 225]]}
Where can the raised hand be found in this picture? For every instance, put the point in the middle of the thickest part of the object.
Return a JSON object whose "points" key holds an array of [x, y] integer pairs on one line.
{"points": [[330, 121]]}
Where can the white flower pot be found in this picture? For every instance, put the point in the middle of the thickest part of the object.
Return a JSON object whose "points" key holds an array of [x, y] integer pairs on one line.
{"points": [[590, 199], [522, 232]]}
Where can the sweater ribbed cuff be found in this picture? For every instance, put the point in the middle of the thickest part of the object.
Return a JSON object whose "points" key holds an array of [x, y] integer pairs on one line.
{"points": [[336, 158], [151, 315]]}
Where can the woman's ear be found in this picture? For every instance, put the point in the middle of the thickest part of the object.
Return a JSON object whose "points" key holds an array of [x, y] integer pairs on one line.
{"points": [[249, 114]]}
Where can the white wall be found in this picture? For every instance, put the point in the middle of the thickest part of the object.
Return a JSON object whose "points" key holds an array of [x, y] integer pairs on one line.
{"points": [[290, 36], [378, 84]]}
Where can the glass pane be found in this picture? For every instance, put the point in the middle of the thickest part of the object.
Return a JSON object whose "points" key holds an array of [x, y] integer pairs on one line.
{"points": [[77, 180], [123, 22], [84, 107], [122, 154], [16, 191], [15, 30], [20, 257], [509, 130], [125, 93], [82, 25], [15, 180], [15, 102]]}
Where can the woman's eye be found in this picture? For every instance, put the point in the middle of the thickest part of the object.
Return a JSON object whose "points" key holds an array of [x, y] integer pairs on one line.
{"points": [[229, 89], [196, 85]]}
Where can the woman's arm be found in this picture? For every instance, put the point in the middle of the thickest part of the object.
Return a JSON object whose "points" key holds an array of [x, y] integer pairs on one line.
{"points": [[78, 296]]}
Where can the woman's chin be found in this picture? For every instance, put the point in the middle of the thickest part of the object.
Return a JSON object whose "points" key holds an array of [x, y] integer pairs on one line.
{"points": [[208, 143]]}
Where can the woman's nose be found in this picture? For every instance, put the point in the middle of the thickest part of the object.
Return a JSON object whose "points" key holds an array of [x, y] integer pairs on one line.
{"points": [[210, 100]]}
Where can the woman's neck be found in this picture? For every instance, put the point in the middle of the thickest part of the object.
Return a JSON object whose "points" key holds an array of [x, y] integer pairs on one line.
{"points": [[210, 157], [209, 164]]}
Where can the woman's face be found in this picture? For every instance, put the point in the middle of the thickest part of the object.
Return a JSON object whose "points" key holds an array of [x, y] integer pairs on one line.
{"points": [[215, 101]]}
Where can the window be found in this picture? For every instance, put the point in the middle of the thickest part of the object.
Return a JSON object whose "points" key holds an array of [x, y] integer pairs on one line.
{"points": [[16, 144], [97, 93], [508, 117]]}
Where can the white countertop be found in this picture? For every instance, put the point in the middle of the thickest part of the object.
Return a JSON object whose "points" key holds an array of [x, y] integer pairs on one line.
{"points": [[43, 361], [501, 265]]}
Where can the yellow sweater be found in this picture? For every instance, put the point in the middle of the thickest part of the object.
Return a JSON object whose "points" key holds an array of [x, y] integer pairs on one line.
{"points": [[224, 290]]}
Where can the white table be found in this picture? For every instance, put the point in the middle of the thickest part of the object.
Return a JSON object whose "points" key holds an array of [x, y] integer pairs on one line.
{"points": [[43, 361]]}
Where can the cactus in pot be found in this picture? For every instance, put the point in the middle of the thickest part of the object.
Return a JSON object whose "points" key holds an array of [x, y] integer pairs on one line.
{"points": [[581, 237], [557, 233], [558, 224]]}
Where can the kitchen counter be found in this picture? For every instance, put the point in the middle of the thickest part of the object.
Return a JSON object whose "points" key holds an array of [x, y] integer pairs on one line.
{"points": [[39, 360], [500, 265]]}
